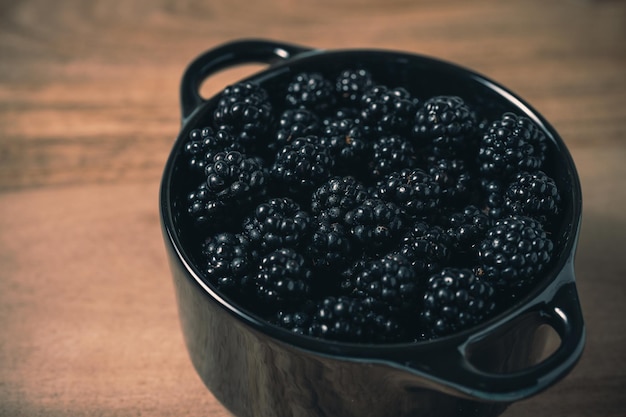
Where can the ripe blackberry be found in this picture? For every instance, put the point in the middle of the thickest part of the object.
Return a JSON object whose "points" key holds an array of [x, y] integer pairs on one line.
{"points": [[374, 224], [311, 90], [330, 246], [385, 284], [348, 319], [514, 252], [331, 201], [233, 183], [298, 321], [511, 144], [349, 143], [389, 154], [426, 246], [283, 279], [350, 85], [246, 110], [275, 224], [467, 228], [204, 143], [455, 179], [413, 190], [492, 197], [228, 262], [295, 123], [532, 194], [302, 165], [447, 125], [455, 299], [388, 110]]}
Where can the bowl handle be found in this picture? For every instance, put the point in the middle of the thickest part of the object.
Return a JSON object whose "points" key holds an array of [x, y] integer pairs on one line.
{"points": [[558, 308], [228, 55]]}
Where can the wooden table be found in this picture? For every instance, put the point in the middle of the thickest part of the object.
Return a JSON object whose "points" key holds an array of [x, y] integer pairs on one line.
{"points": [[88, 113]]}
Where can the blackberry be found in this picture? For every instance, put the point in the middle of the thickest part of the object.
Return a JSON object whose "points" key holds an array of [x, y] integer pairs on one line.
{"points": [[349, 143], [374, 224], [413, 190], [514, 253], [388, 284], [330, 246], [275, 224], [348, 319], [426, 246], [204, 143], [332, 200], [532, 194], [283, 279], [196, 203], [295, 123], [388, 110], [455, 179], [228, 262], [350, 85], [302, 165], [233, 183], [511, 144], [455, 299], [311, 90], [245, 109], [297, 321], [389, 154], [467, 228], [492, 197], [447, 125]]}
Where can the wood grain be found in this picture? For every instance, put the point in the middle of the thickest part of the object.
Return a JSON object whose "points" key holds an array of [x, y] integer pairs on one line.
{"points": [[89, 111]]}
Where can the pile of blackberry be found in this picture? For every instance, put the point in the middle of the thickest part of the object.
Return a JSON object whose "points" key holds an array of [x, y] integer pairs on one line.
{"points": [[342, 208]]}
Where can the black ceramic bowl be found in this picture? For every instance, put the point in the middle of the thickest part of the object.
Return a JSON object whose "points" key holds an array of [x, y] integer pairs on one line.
{"points": [[256, 369]]}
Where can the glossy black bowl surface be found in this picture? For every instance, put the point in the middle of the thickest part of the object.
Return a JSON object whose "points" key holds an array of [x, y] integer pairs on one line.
{"points": [[257, 369]]}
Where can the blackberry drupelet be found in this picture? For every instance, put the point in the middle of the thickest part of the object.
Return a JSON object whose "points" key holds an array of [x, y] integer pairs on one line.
{"points": [[302, 165], [330, 246], [275, 224], [388, 110], [533, 194], [455, 299], [511, 144], [228, 263], [387, 284], [389, 154], [446, 125], [514, 253], [374, 225], [413, 190], [245, 109], [348, 319], [350, 85], [295, 123], [334, 198], [283, 279], [349, 143], [426, 246], [311, 90], [204, 143]]}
